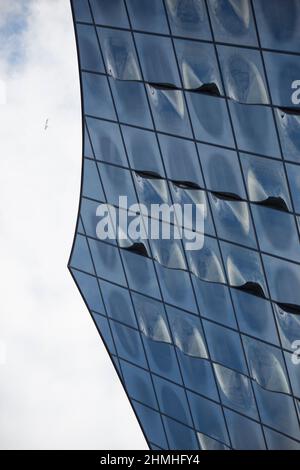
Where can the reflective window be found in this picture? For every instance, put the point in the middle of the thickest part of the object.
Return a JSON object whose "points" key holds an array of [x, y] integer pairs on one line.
{"points": [[188, 18], [232, 21], [148, 16], [97, 98], [245, 434], [109, 13], [90, 57]]}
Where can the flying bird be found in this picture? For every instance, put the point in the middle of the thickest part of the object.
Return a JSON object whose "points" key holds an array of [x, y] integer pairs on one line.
{"points": [[46, 124]]}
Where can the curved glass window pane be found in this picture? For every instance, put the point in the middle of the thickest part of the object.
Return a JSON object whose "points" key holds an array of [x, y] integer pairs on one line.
{"points": [[245, 434], [208, 417], [233, 221], [179, 436], [142, 149], [97, 97], [118, 303], [266, 365], [81, 257], [131, 103], [254, 129], [283, 70], [82, 11], [278, 26], [243, 74], [244, 269], [210, 119], [283, 239], [289, 132], [140, 274], [151, 318], [232, 21], [225, 346], [148, 16], [206, 262], [153, 52], [169, 111], [294, 180], [109, 13], [277, 441], [107, 142], [119, 54], [107, 262], [138, 384], [91, 182], [198, 65], [277, 410], [255, 316], [266, 181], [214, 302], [221, 170], [90, 290], [236, 391], [89, 52], [172, 401], [288, 325], [188, 18], [117, 182], [284, 280], [180, 159], [206, 443]]}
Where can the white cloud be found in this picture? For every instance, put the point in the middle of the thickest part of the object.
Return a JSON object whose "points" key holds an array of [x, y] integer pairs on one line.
{"points": [[58, 387]]}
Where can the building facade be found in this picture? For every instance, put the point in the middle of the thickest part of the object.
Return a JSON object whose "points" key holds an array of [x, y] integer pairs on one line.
{"points": [[195, 102]]}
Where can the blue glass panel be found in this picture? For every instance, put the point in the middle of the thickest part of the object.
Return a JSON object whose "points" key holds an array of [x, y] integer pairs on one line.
{"points": [[176, 288], [243, 74], [180, 437], [118, 303], [214, 302], [81, 257], [90, 57], [233, 221], [289, 132], [245, 434], [244, 269], [107, 142], [198, 66], [103, 326], [284, 280], [266, 365], [142, 149], [255, 316], [188, 18], [82, 11], [140, 274], [117, 182], [128, 344], [283, 70], [92, 186], [180, 159], [152, 424], [162, 359], [119, 54], [131, 103], [221, 169], [90, 290], [232, 21], [288, 325], [294, 180], [278, 25], [107, 261], [265, 180], [172, 400], [97, 97], [148, 16], [276, 441], [254, 129], [225, 346], [283, 239], [210, 119], [236, 391], [169, 111], [109, 13], [277, 410], [198, 375], [293, 369], [138, 384], [208, 417]]}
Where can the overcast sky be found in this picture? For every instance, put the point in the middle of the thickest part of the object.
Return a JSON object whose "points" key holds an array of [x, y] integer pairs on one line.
{"points": [[58, 388]]}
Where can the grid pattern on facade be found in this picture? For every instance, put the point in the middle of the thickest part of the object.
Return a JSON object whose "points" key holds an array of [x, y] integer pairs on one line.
{"points": [[192, 101]]}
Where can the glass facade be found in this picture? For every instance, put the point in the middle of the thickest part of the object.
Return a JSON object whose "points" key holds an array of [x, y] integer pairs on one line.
{"points": [[186, 101]]}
